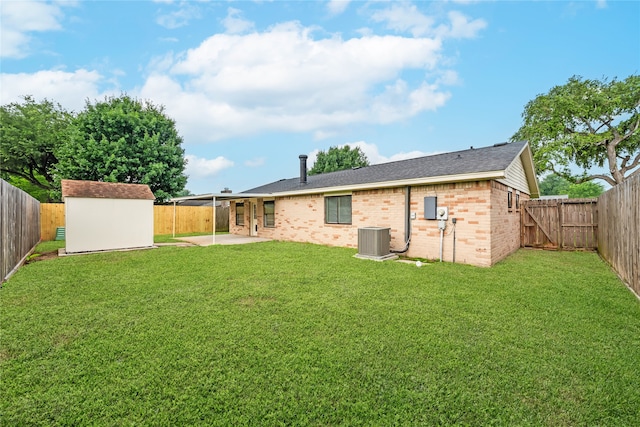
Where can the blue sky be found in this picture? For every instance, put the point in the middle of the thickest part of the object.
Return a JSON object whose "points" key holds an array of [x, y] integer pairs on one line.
{"points": [[253, 84]]}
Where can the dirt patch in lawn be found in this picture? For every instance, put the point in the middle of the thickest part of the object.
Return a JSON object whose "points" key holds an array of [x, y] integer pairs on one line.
{"points": [[42, 257]]}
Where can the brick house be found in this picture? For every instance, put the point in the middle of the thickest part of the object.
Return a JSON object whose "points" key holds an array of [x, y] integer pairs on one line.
{"points": [[482, 189]]}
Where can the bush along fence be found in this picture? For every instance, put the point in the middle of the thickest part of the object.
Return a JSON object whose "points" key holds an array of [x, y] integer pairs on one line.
{"points": [[19, 227], [619, 230], [188, 219]]}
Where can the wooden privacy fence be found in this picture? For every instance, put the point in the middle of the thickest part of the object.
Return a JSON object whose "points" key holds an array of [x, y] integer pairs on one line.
{"points": [[619, 230], [19, 227], [560, 224], [189, 219]]}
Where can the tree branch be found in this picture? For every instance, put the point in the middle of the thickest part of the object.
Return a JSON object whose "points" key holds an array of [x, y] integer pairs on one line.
{"points": [[610, 180], [29, 178], [601, 126], [631, 131], [633, 164], [588, 125]]}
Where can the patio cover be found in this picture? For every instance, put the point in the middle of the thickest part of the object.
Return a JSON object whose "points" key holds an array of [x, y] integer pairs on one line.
{"points": [[214, 197]]}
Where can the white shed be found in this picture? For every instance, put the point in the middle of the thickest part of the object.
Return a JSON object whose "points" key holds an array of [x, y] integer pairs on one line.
{"points": [[105, 215]]}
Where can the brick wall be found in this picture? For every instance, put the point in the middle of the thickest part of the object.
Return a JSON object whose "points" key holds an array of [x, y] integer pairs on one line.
{"points": [[485, 231], [242, 230], [505, 221], [468, 202]]}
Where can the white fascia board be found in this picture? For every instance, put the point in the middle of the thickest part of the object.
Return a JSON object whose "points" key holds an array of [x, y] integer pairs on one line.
{"points": [[196, 197], [476, 176], [220, 196]]}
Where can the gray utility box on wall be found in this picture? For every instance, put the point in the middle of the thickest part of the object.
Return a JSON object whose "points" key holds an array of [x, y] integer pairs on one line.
{"points": [[374, 241], [430, 204]]}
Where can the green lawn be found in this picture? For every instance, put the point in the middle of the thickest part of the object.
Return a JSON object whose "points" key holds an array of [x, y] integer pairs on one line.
{"points": [[295, 334], [168, 238]]}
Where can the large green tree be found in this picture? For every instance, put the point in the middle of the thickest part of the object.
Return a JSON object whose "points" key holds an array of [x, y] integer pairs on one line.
{"points": [[586, 124], [122, 139], [554, 185], [337, 158], [30, 134]]}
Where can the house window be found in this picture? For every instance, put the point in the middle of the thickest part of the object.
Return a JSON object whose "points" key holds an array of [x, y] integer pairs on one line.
{"points": [[270, 214], [239, 213], [510, 199], [517, 200], [337, 210]]}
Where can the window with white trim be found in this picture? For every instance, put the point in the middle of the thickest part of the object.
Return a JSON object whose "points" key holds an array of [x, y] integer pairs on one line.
{"points": [[337, 210]]}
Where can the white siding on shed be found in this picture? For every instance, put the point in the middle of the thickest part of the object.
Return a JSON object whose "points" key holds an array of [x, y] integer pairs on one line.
{"points": [[95, 224]]}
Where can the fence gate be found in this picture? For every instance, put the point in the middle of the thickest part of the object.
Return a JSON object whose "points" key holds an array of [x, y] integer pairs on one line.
{"points": [[560, 224]]}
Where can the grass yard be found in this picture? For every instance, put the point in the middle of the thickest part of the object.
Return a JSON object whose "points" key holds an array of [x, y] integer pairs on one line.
{"points": [[295, 334], [168, 238]]}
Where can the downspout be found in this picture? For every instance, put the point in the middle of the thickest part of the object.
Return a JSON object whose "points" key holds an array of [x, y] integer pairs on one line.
{"points": [[407, 222]]}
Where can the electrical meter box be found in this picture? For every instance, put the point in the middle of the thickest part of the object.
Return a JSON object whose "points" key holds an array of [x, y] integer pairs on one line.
{"points": [[443, 213], [430, 205]]}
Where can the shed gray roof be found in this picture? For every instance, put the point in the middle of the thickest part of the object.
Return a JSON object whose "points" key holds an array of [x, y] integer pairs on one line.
{"points": [[475, 160]]}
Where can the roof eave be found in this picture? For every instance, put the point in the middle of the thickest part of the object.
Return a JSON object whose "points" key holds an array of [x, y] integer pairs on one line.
{"points": [[526, 155], [444, 179], [220, 196]]}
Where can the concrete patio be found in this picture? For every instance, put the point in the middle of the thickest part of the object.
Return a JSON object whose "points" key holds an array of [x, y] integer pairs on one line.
{"points": [[222, 239]]}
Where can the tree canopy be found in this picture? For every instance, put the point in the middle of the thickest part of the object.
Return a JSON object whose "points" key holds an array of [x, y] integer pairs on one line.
{"points": [[586, 124], [122, 139], [336, 159], [30, 134], [554, 185]]}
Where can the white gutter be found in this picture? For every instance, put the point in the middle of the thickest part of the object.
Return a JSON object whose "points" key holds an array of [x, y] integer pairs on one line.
{"points": [[221, 196]]}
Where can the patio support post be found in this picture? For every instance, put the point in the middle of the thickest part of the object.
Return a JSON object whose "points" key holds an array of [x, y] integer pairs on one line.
{"points": [[214, 221], [174, 218]]}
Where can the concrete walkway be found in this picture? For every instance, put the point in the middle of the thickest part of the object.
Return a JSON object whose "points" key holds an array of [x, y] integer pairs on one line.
{"points": [[222, 239]]}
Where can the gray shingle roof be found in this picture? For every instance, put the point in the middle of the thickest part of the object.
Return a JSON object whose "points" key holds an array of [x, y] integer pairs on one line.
{"points": [[495, 158]]}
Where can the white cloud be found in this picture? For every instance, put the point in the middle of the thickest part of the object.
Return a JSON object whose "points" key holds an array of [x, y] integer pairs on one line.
{"points": [[461, 27], [448, 78], [21, 19], [372, 153], [405, 17], [70, 89], [336, 7], [254, 163], [284, 79], [199, 167], [601, 4], [179, 17], [374, 156], [235, 24]]}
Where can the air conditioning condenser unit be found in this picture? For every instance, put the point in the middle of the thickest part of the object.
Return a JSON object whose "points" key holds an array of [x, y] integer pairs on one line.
{"points": [[374, 243]]}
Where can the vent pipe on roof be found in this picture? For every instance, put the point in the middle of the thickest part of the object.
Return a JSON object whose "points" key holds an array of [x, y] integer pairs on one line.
{"points": [[303, 168]]}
